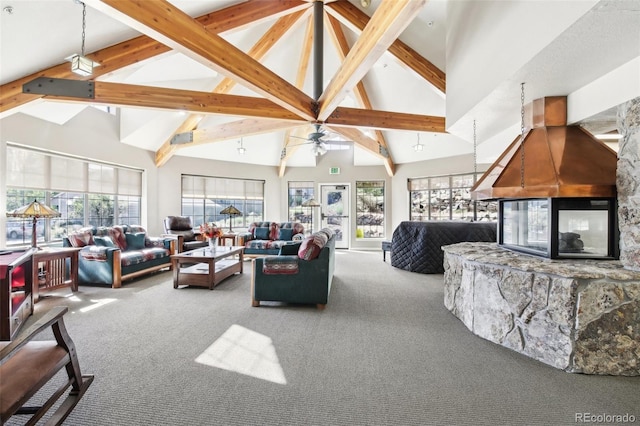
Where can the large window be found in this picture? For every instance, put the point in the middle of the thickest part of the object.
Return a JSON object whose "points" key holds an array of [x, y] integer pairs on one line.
{"points": [[299, 192], [448, 198], [84, 192], [204, 198], [370, 209]]}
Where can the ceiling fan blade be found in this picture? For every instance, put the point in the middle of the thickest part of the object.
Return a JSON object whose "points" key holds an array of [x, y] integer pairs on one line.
{"points": [[341, 142]]}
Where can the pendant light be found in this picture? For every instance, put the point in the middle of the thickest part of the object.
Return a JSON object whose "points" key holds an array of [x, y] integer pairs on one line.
{"points": [[418, 146], [80, 64]]}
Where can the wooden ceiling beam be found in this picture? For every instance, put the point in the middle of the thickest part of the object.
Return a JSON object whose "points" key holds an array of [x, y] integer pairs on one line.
{"points": [[367, 143], [169, 25], [238, 129], [183, 100], [342, 47], [258, 51], [358, 20], [386, 24], [166, 151], [386, 120], [265, 44], [289, 149], [143, 47], [240, 15]]}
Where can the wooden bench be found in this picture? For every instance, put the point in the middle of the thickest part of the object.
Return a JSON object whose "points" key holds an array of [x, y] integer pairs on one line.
{"points": [[26, 365]]}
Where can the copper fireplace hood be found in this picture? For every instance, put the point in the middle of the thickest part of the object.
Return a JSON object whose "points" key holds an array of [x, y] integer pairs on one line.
{"points": [[559, 160]]}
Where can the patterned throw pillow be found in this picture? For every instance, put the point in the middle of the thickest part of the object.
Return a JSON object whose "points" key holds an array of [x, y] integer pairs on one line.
{"points": [[273, 233], [320, 239], [308, 249], [81, 239], [117, 235]]}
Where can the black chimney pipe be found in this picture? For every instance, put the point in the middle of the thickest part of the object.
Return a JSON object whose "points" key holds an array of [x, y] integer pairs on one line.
{"points": [[317, 49]]}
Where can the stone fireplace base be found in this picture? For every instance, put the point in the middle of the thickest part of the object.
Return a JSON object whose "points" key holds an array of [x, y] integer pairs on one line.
{"points": [[581, 316]]}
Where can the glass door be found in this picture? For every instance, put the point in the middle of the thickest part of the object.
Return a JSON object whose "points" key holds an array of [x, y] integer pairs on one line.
{"points": [[334, 212]]}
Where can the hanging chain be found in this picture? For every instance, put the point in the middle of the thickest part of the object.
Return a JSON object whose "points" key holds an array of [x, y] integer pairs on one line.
{"points": [[84, 24], [475, 153], [522, 136]]}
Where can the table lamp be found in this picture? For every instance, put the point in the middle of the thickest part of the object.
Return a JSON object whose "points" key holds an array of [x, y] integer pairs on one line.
{"points": [[231, 211], [33, 210]]}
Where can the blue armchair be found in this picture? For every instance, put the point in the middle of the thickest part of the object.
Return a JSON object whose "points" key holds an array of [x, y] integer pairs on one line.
{"points": [[289, 278]]}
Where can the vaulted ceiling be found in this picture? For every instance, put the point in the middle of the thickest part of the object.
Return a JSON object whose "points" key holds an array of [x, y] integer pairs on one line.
{"points": [[223, 73]]}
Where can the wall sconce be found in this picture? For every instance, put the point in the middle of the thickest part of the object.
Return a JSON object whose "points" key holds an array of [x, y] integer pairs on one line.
{"points": [[418, 146]]}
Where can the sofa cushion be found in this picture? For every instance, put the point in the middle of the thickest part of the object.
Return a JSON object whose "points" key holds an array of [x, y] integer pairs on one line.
{"points": [[135, 241], [262, 233], [280, 265], [134, 257], [186, 235], [285, 234], [179, 223], [94, 252], [81, 239], [309, 250]]}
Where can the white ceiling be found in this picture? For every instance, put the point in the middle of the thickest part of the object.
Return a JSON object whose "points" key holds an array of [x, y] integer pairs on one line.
{"points": [[556, 47]]}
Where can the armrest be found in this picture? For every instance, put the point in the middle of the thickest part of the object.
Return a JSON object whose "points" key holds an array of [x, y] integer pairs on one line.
{"points": [[244, 237], [49, 318]]}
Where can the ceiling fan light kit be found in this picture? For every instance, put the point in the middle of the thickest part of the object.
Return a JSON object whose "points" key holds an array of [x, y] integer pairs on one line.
{"points": [[319, 149]]}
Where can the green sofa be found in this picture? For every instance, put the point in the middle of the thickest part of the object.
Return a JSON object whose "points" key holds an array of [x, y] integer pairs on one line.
{"points": [[289, 277], [110, 255]]}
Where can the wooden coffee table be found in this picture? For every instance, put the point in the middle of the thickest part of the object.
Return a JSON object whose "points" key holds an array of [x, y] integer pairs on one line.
{"points": [[205, 267]]}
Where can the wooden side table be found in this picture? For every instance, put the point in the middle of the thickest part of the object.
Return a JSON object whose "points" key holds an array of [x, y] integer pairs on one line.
{"points": [[225, 237], [50, 270]]}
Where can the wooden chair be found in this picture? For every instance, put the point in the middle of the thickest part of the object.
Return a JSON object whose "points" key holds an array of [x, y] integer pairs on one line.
{"points": [[26, 365]]}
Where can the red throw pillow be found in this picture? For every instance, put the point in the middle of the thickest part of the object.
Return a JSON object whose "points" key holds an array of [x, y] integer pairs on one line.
{"points": [[308, 249], [117, 236]]}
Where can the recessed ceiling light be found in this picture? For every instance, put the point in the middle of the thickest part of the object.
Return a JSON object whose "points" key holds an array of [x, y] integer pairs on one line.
{"points": [[365, 3], [8, 10]]}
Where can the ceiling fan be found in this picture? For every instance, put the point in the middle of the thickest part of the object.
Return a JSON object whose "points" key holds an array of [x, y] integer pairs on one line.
{"points": [[319, 145]]}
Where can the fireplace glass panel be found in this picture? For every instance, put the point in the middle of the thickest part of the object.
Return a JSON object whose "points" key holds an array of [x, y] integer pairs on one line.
{"points": [[584, 232], [559, 227], [525, 224]]}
